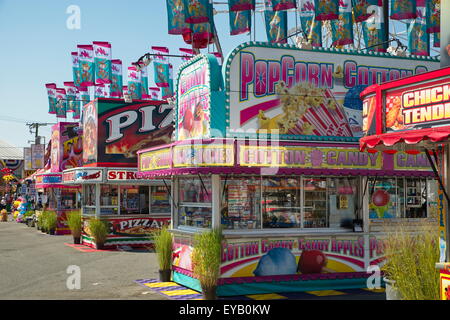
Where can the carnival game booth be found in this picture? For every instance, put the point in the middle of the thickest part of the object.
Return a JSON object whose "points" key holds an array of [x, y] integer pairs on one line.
{"points": [[268, 149], [114, 131], [65, 152], [413, 115]]}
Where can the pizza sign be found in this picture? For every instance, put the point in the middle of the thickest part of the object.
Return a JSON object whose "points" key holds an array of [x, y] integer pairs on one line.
{"points": [[138, 227]]}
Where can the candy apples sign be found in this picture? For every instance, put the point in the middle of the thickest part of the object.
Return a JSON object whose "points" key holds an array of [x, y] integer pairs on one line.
{"points": [[295, 92], [124, 128]]}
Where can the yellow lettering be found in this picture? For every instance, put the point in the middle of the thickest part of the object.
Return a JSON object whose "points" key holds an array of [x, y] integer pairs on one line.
{"points": [[436, 94], [408, 99]]}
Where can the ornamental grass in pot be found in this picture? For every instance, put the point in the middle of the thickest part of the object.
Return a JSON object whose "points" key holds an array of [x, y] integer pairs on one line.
{"points": [[164, 249], [42, 221], [51, 221], [206, 259], [411, 255], [74, 223], [99, 231]]}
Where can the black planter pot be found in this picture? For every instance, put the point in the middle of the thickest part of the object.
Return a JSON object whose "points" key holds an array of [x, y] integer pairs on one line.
{"points": [[76, 240], [99, 246], [164, 275], [52, 232], [209, 293]]}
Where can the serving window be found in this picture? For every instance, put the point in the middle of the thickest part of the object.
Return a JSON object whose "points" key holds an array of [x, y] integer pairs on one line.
{"points": [[398, 198], [195, 202], [126, 199], [288, 202]]}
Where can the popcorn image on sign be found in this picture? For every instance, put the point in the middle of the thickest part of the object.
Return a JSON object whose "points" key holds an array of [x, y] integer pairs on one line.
{"points": [[307, 110]]}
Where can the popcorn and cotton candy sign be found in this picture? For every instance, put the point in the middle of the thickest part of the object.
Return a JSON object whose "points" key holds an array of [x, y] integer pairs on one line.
{"points": [[297, 92]]}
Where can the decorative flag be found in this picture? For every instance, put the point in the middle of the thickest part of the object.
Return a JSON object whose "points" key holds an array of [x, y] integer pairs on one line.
{"points": [[102, 59], [198, 11], [154, 93], [311, 27], [361, 9], [87, 67], [176, 17], [116, 78], [134, 83], [403, 9], [276, 25], [167, 92], [240, 22], [84, 95], [144, 84], [71, 96], [326, 9], [189, 53], [77, 112], [278, 5], [51, 92], [76, 69], [161, 66], [125, 90], [100, 91], [241, 5], [61, 103], [373, 31], [433, 16], [342, 28], [418, 38]]}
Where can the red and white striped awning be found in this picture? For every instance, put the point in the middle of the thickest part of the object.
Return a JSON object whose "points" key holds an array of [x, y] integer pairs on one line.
{"points": [[411, 137]]}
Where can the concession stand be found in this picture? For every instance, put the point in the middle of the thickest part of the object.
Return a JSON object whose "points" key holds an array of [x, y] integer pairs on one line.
{"points": [[413, 115], [267, 148], [65, 153], [111, 191]]}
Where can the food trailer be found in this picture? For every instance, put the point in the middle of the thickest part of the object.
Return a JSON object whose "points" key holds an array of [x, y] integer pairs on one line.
{"points": [[413, 115], [267, 148], [111, 191], [65, 153]]}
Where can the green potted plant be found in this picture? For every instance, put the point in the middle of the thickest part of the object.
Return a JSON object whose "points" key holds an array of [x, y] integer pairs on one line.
{"points": [[51, 222], [163, 246], [99, 231], [411, 255], [42, 221], [206, 261], [74, 223]]}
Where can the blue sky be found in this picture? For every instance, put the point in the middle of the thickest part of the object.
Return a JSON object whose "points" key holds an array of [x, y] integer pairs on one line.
{"points": [[36, 45]]}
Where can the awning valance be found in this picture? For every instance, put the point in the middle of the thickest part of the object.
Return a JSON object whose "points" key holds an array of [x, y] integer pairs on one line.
{"points": [[409, 137]]}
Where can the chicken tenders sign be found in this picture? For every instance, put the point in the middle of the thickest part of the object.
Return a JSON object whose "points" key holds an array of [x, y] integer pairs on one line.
{"points": [[418, 106]]}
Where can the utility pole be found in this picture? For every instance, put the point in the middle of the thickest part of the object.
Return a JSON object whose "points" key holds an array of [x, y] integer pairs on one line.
{"points": [[36, 125]]}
